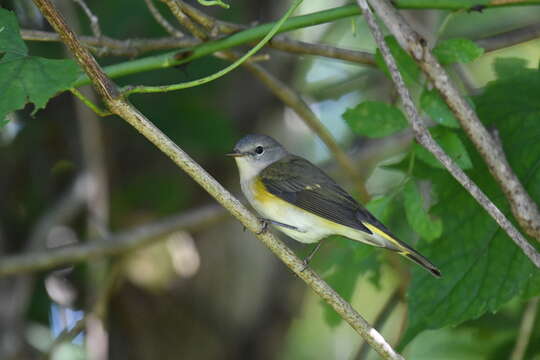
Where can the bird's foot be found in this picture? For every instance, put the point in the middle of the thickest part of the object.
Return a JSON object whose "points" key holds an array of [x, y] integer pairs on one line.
{"points": [[264, 226]]}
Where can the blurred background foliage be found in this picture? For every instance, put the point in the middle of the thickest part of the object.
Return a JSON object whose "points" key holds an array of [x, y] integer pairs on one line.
{"points": [[215, 292]]}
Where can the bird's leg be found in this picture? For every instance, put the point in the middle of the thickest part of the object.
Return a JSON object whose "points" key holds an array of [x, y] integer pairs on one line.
{"points": [[310, 256], [277, 223]]}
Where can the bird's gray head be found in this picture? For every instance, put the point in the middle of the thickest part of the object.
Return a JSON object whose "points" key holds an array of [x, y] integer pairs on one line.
{"points": [[255, 152]]}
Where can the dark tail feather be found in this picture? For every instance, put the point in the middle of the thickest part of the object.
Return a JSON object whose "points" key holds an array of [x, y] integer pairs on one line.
{"points": [[423, 262]]}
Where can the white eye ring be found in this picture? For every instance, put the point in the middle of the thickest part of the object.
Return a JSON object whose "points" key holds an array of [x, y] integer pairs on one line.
{"points": [[259, 150]]}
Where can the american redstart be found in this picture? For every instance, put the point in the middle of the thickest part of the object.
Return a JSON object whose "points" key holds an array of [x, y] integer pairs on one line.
{"points": [[303, 202]]}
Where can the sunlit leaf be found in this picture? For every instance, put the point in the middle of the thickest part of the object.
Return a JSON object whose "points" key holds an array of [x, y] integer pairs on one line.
{"points": [[432, 103], [457, 50], [405, 63], [375, 119]]}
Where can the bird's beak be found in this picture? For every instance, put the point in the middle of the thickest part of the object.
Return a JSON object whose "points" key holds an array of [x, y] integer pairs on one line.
{"points": [[235, 154]]}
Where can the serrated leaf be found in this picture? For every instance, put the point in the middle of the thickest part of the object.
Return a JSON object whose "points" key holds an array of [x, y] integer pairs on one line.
{"points": [[483, 268], [375, 119], [450, 143], [405, 63], [432, 103], [25, 78], [33, 79], [457, 50], [423, 224], [11, 42]]}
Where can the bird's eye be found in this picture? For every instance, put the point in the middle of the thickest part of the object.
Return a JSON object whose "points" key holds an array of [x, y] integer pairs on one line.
{"points": [[259, 150]]}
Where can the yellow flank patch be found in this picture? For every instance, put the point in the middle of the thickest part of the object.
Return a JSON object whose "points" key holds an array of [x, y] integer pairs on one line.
{"points": [[261, 194], [381, 233]]}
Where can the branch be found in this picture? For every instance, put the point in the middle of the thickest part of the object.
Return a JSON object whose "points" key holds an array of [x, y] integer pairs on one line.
{"points": [[125, 110], [509, 38], [523, 207], [121, 243], [422, 134], [105, 46], [109, 46]]}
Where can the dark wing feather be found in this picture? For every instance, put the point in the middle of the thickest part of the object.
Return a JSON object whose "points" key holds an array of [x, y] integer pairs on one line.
{"points": [[301, 183]]}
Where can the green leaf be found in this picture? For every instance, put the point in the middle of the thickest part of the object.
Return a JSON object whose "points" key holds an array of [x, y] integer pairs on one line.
{"points": [[405, 63], [482, 268], [26, 78], [33, 79], [427, 227], [432, 103], [450, 143], [11, 42], [509, 67], [457, 50], [380, 208], [375, 119]]}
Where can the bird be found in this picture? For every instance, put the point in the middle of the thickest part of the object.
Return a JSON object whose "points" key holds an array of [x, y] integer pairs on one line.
{"points": [[302, 201]]}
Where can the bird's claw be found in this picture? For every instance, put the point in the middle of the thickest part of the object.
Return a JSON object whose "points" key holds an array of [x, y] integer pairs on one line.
{"points": [[305, 264], [264, 227]]}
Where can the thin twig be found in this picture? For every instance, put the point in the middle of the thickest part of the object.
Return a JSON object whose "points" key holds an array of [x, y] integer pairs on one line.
{"points": [[184, 19], [96, 109], [125, 110], [106, 46], [425, 139], [126, 241], [94, 20], [162, 21], [523, 207], [509, 38], [525, 330]]}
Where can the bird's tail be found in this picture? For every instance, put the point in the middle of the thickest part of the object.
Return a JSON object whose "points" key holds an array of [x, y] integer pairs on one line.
{"points": [[382, 237], [422, 261]]}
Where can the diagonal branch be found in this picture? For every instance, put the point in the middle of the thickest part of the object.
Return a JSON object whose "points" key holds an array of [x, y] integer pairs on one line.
{"points": [[523, 207], [424, 137], [125, 110]]}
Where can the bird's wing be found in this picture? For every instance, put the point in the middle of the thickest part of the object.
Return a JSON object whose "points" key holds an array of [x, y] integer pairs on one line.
{"points": [[302, 184]]}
